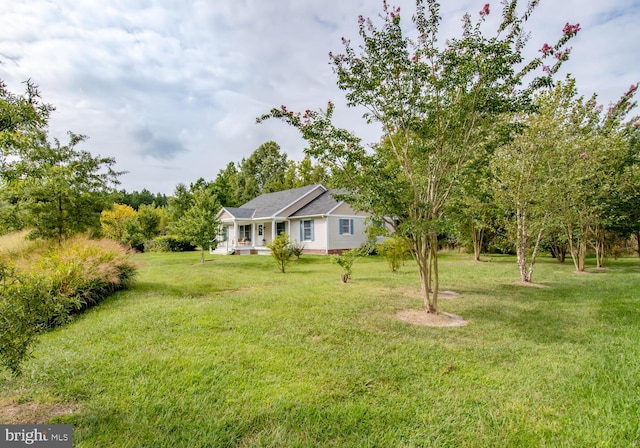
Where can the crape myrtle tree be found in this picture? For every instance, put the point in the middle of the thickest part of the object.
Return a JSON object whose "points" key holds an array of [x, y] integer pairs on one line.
{"points": [[439, 106], [524, 171], [592, 154]]}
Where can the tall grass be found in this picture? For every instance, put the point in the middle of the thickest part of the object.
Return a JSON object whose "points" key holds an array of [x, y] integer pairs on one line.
{"points": [[43, 284], [232, 353]]}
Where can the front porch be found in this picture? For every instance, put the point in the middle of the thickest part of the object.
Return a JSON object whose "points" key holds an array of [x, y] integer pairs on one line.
{"points": [[247, 237], [227, 247]]}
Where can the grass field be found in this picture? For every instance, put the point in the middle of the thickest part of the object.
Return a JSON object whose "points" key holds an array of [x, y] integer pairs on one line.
{"points": [[232, 353]]}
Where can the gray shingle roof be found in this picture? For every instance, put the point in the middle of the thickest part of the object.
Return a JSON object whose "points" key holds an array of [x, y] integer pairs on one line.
{"points": [[269, 204], [241, 213], [322, 205]]}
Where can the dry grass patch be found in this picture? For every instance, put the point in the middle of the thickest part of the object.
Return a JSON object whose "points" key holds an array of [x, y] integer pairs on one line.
{"points": [[33, 412]]}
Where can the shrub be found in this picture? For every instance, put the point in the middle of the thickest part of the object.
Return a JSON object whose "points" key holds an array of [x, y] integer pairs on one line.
{"points": [[50, 284], [394, 250], [22, 305], [296, 249], [346, 260], [281, 250], [168, 243]]}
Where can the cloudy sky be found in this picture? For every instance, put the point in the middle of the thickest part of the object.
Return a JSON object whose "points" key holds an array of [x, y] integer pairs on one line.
{"points": [[171, 88]]}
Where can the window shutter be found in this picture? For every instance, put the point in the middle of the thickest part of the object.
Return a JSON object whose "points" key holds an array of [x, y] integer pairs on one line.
{"points": [[351, 226], [340, 225], [301, 230], [312, 234]]}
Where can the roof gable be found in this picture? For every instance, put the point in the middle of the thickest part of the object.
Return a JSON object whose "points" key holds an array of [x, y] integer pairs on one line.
{"points": [[322, 205], [240, 212], [269, 204]]}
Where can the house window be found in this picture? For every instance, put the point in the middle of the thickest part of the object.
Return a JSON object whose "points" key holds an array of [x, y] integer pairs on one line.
{"points": [[346, 227], [306, 230], [280, 228], [245, 233], [260, 230]]}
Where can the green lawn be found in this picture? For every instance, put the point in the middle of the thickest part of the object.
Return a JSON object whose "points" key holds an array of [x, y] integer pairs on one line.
{"points": [[233, 353]]}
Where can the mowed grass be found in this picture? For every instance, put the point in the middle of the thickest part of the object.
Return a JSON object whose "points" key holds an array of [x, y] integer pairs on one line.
{"points": [[232, 353]]}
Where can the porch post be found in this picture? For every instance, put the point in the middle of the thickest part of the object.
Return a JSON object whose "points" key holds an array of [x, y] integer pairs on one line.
{"points": [[235, 234], [254, 234], [273, 229]]}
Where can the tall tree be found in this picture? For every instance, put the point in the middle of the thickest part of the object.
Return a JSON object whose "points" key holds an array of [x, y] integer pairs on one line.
{"points": [[199, 225], [62, 189], [262, 172], [439, 106]]}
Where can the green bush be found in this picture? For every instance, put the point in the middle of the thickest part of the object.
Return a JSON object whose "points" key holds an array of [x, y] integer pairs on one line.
{"points": [[394, 250], [168, 243], [345, 260], [22, 304], [281, 251], [50, 284]]}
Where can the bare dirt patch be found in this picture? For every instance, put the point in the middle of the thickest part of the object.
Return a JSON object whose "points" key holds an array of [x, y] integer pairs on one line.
{"points": [[34, 413], [420, 317]]}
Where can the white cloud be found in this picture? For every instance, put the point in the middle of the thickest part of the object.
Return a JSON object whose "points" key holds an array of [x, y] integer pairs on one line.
{"points": [[171, 88]]}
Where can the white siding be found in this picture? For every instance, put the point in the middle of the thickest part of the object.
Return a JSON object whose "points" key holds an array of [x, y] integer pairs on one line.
{"points": [[319, 234], [345, 241]]}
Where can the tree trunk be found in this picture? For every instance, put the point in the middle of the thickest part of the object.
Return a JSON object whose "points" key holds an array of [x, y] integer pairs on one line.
{"points": [[425, 254], [477, 237], [598, 245], [522, 241], [202, 255], [638, 242], [576, 251]]}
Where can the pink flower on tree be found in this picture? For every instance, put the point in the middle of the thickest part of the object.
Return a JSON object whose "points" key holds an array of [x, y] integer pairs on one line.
{"points": [[414, 58], [632, 89], [571, 30], [583, 155], [485, 10], [361, 20], [636, 124], [284, 108], [563, 55], [546, 49]]}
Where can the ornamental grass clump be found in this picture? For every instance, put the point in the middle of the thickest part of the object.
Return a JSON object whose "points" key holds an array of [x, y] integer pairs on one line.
{"points": [[46, 285]]}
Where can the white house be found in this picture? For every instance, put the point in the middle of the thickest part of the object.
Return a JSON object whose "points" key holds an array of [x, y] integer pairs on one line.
{"points": [[310, 215]]}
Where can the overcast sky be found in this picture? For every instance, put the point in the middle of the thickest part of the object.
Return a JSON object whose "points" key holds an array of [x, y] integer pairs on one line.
{"points": [[172, 88]]}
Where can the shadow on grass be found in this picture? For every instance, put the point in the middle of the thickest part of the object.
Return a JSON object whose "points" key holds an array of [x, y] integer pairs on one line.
{"points": [[537, 314]]}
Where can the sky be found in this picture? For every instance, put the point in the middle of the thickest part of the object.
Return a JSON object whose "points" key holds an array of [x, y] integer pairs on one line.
{"points": [[171, 88]]}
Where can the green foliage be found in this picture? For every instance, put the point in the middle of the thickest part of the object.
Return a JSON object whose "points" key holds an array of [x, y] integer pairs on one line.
{"points": [[394, 250], [61, 190], [199, 224], [48, 285], [281, 251], [137, 198], [22, 303], [296, 249], [219, 359], [346, 260], [168, 243], [262, 172], [442, 108]]}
